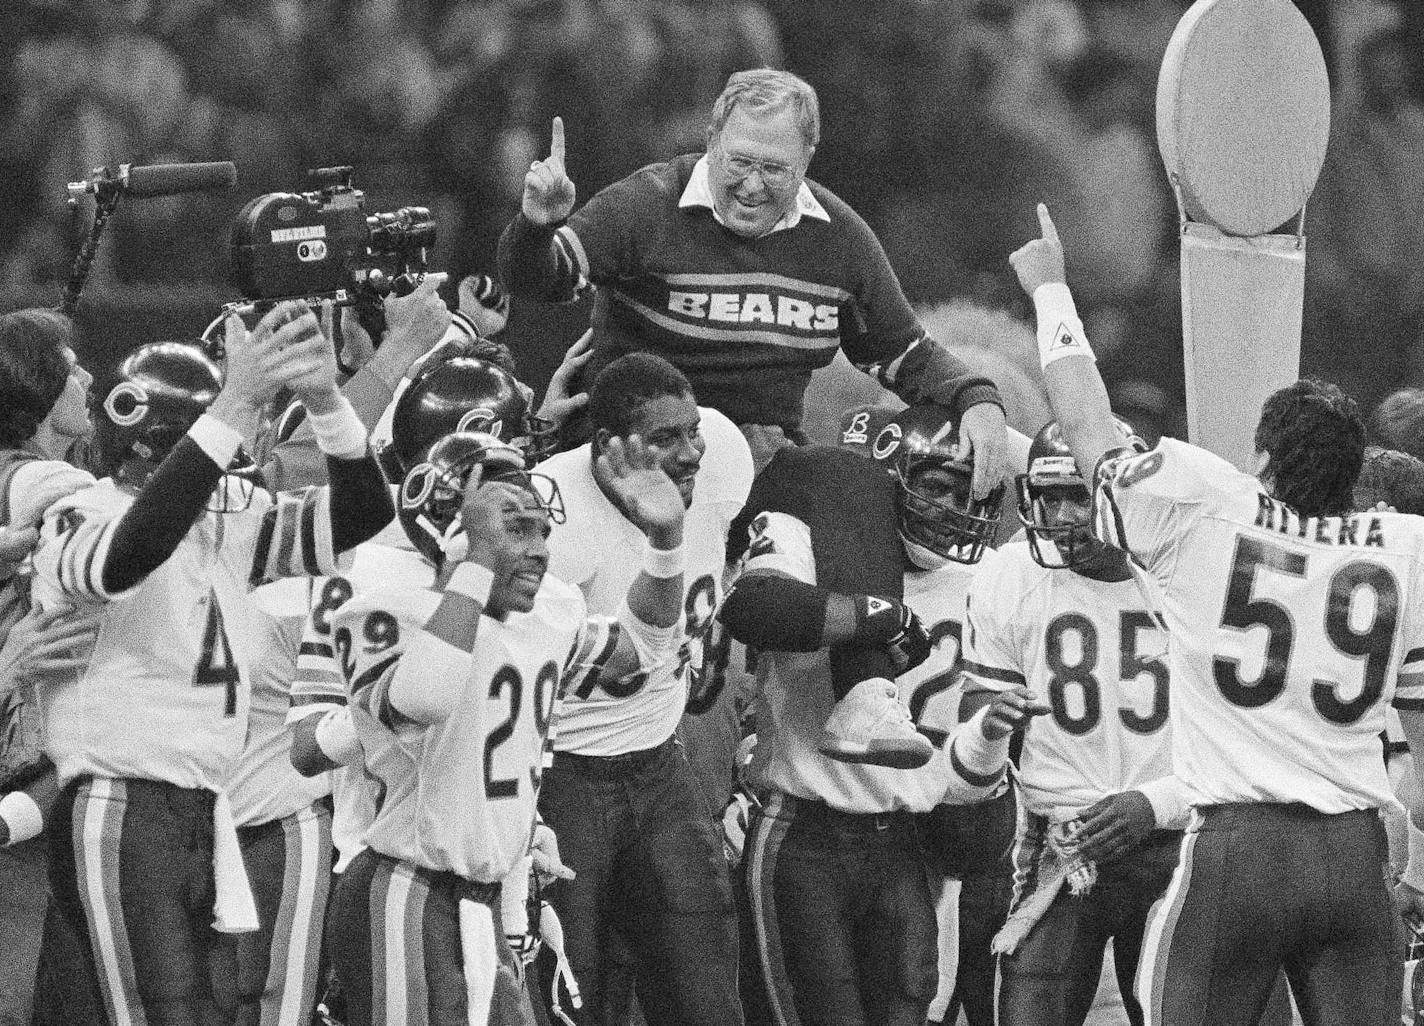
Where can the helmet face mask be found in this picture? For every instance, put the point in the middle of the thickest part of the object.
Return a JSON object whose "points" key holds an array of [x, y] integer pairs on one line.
{"points": [[1055, 504], [1055, 509], [432, 492], [939, 518]]}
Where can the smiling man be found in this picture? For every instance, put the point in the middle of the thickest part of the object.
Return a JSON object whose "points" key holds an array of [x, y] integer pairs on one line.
{"points": [[632, 820], [741, 272]]}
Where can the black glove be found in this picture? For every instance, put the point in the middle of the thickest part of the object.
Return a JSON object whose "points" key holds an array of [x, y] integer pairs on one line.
{"points": [[894, 626]]}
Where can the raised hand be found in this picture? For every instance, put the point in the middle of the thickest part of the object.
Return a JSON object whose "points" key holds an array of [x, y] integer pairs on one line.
{"points": [[548, 190], [642, 489], [1040, 261], [558, 404]]}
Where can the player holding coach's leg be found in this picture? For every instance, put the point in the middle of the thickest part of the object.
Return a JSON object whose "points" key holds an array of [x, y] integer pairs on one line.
{"points": [[1294, 622]]}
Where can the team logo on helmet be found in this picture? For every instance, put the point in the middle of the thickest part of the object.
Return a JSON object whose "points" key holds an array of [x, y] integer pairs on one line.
{"points": [[887, 441], [127, 403]]}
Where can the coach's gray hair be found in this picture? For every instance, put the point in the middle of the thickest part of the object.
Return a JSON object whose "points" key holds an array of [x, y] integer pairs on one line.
{"points": [[764, 91]]}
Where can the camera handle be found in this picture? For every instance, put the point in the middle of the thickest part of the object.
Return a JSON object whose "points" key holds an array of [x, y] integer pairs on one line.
{"points": [[106, 202]]}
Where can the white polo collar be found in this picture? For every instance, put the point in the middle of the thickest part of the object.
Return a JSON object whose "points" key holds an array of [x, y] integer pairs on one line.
{"points": [[699, 194]]}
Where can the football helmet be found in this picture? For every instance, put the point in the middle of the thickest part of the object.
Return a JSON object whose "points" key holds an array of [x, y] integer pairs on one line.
{"points": [[433, 490], [159, 390], [939, 518], [1055, 503], [462, 393]]}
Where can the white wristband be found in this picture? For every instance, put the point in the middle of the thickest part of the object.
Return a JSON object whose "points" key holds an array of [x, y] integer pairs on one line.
{"points": [[1413, 873], [219, 439], [664, 563], [340, 432], [1060, 331], [22, 816], [336, 737], [472, 580]]}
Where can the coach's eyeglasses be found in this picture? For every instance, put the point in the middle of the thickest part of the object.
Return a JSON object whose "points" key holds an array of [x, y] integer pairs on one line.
{"points": [[773, 174]]}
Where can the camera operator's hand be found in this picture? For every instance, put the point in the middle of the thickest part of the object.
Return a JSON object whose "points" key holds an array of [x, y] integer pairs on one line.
{"points": [[548, 190], [415, 324], [558, 404]]}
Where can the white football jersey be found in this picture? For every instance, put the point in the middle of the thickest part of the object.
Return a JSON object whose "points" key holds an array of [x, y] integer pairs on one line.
{"points": [[263, 785], [383, 562], [794, 694], [164, 695], [460, 792], [1091, 650], [1289, 635], [601, 551]]}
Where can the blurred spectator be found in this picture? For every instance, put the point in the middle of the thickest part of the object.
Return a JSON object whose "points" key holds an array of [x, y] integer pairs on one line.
{"points": [[1393, 478], [1398, 421]]}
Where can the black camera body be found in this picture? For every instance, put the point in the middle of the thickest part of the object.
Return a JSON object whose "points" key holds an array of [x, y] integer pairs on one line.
{"points": [[323, 244]]}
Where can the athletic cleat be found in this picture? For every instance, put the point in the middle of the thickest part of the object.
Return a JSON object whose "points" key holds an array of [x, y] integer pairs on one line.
{"points": [[870, 725]]}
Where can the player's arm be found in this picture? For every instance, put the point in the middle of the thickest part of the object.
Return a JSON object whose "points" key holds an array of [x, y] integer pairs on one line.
{"points": [[104, 558], [542, 257], [1409, 703], [320, 731], [1117, 823], [979, 749], [772, 606], [894, 349], [414, 325], [1070, 371]]}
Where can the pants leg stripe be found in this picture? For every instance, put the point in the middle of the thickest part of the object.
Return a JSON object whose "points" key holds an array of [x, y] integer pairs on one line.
{"points": [[290, 994], [399, 947], [380, 970], [1025, 858], [770, 830], [1161, 924], [97, 826]]}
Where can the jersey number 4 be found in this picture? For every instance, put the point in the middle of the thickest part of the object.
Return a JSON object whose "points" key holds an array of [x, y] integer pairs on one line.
{"points": [[1373, 644], [216, 666]]}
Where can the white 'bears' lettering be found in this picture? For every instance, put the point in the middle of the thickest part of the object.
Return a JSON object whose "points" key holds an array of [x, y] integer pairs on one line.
{"points": [[755, 308]]}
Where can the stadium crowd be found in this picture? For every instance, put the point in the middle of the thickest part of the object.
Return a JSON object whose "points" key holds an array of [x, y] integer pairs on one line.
{"points": [[836, 631]]}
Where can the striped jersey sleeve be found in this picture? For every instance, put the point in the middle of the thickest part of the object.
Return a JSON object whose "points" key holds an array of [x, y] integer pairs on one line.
{"points": [[295, 538], [1144, 501], [1409, 691], [318, 685], [74, 545]]}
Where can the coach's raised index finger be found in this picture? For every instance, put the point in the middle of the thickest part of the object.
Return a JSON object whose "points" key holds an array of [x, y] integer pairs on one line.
{"points": [[556, 142], [1050, 232]]}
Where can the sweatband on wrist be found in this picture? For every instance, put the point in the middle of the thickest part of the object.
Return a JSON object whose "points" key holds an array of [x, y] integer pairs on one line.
{"points": [[1413, 873], [336, 737], [1060, 330], [472, 580], [877, 620], [1170, 810], [22, 816], [340, 432], [219, 439], [664, 563], [976, 758]]}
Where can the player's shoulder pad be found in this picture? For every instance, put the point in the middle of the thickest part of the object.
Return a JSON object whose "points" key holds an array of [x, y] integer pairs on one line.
{"points": [[1173, 469]]}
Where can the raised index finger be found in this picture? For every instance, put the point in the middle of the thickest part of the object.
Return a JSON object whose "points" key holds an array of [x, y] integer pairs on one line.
{"points": [[1046, 223], [556, 141]]}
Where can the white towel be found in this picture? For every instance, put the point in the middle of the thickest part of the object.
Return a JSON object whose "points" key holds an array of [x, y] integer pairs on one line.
{"points": [[234, 910]]}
